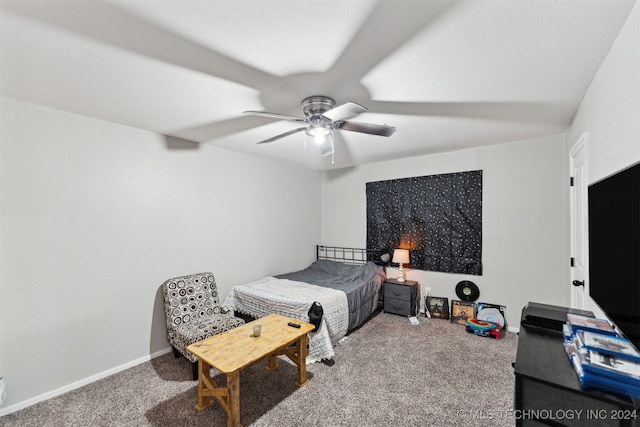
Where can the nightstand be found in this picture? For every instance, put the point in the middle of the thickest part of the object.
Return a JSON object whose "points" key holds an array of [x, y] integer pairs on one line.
{"points": [[400, 297]]}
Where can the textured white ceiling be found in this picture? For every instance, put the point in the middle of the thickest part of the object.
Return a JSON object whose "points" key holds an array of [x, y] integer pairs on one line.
{"points": [[448, 74]]}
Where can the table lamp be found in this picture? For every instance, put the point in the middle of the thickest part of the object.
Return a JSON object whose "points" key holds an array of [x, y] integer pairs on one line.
{"points": [[401, 256]]}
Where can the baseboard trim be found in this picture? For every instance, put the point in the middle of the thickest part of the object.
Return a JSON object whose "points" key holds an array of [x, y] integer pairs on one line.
{"points": [[77, 384]]}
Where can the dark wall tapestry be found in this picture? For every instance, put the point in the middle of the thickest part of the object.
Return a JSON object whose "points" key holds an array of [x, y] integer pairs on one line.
{"points": [[437, 217]]}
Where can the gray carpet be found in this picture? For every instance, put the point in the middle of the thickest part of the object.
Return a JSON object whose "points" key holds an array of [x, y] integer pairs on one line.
{"points": [[387, 373]]}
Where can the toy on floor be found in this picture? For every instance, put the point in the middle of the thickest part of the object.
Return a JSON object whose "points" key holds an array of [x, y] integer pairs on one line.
{"points": [[483, 328]]}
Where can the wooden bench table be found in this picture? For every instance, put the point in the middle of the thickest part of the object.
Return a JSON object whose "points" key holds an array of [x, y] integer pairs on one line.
{"points": [[232, 351]]}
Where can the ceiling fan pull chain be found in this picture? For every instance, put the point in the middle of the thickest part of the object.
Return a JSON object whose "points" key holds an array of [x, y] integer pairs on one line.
{"points": [[333, 153]]}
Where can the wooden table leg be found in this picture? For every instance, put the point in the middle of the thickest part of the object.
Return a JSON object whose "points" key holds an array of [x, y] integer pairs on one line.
{"points": [[204, 385], [233, 388], [272, 362], [301, 361], [228, 395]]}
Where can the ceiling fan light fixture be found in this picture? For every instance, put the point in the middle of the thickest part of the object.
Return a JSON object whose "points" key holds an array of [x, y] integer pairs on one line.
{"points": [[326, 145], [320, 137], [318, 129]]}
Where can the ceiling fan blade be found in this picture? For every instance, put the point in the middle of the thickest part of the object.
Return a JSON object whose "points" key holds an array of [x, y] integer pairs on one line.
{"points": [[358, 58], [282, 135], [370, 128], [344, 111], [525, 112], [140, 35], [274, 116]]}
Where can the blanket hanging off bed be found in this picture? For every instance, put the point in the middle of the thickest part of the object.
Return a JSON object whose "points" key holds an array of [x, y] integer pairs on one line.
{"points": [[293, 299]]}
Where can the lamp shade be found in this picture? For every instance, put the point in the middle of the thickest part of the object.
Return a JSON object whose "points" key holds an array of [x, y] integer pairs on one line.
{"points": [[401, 256]]}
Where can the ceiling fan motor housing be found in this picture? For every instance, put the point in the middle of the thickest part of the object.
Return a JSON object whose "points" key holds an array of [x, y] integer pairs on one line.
{"points": [[316, 105], [313, 107]]}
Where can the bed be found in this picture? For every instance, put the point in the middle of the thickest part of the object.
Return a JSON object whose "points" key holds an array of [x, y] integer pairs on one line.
{"points": [[346, 281]]}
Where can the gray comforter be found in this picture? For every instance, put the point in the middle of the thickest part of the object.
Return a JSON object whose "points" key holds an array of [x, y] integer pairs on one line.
{"points": [[361, 284]]}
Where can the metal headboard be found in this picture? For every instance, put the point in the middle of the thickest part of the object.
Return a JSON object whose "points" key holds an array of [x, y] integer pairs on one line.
{"points": [[347, 255]]}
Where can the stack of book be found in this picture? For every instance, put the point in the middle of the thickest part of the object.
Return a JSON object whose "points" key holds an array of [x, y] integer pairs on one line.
{"points": [[602, 359]]}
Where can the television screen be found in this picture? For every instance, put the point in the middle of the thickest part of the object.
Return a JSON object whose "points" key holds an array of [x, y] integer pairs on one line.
{"points": [[614, 249]]}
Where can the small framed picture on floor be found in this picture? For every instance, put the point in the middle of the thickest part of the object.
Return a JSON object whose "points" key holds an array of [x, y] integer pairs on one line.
{"points": [[438, 307], [461, 311]]}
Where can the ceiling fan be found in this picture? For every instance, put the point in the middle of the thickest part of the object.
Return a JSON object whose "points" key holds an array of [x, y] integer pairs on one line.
{"points": [[322, 117]]}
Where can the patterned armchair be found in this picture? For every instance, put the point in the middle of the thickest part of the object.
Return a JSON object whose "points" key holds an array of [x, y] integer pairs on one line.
{"points": [[194, 313]]}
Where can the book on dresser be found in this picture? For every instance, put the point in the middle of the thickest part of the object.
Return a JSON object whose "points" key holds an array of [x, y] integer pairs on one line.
{"points": [[578, 322], [602, 361], [610, 345], [608, 373]]}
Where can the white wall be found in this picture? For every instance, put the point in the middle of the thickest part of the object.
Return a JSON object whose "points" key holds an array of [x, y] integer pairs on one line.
{"points": [[95, 216], [524, 192], [610, 111]]}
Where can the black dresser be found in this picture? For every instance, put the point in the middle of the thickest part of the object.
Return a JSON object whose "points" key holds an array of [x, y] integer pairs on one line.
{"points": [[548, 390], [401, 297]]}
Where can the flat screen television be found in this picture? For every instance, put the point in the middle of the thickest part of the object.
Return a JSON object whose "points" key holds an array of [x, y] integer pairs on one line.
{"points": [[614, 249]]}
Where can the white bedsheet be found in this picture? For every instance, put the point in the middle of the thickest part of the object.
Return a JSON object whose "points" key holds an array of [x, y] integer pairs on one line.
{"points": [[293, 299]]}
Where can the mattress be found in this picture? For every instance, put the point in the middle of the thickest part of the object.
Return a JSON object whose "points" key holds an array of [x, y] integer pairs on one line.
{"points": [[348, 294]]}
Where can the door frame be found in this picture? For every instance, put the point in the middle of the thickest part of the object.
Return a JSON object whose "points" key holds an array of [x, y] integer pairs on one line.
{"points": [[579, 294]]}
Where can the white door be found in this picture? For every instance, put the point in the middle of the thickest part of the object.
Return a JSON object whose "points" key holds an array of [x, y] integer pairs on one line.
{"points": [[579, 252]]}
